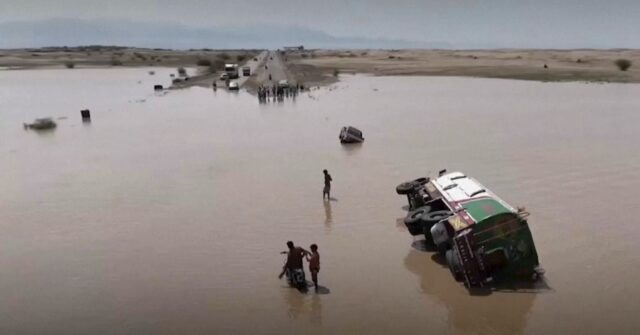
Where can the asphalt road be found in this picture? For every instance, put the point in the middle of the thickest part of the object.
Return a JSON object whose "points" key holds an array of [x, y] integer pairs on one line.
{"points": [[273, 66]]}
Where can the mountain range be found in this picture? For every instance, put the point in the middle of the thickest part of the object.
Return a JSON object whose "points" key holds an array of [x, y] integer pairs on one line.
{"points": [[74, 32]]}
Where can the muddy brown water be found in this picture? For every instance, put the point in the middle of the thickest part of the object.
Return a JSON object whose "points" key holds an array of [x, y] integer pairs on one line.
{"points": [[166, 214]]}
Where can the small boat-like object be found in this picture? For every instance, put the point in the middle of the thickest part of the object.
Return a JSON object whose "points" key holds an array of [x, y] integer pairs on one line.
{"points": [[350, 135], [41, 124]]}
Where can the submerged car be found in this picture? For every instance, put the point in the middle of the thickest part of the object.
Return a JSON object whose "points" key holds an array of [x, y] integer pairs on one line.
{"points": [[233, 86], [350, 135], [41, 124], [483, 239]]}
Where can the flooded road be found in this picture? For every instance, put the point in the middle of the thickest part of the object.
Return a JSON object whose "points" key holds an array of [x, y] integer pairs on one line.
{"points": [[166, 214]]}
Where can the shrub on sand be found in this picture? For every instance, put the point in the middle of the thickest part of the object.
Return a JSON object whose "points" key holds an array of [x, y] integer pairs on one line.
{"points": [[69, 64], [203, 62], [623, 64]]}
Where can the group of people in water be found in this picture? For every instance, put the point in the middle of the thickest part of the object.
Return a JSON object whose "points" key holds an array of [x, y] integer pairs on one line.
{"points": [[294, 267], [294, 264], [277, 92]]}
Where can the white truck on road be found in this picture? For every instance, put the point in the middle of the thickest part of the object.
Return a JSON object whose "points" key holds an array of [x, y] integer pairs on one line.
{"points": [[231, 70]]}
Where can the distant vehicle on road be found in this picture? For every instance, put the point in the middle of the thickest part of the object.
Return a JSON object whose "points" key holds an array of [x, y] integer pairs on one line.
{"points": [[283, 83], [246, 71], [224, 76], [233, 86], [231, 70]]}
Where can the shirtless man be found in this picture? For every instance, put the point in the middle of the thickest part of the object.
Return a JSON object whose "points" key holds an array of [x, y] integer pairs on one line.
{"points": [[294, 258], [327, 185]]}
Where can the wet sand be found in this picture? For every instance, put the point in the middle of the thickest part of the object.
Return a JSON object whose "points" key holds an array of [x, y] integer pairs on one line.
{"points": [[167, 213]]}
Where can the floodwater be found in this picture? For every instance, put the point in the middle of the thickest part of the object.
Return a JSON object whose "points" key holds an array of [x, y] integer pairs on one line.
{"points": [[166, 214]]}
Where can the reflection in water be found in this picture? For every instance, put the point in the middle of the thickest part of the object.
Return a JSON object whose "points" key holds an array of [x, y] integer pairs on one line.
{"points": [[328, 218], [498, 313], [351, 148], [301, 305], [400, 224]]}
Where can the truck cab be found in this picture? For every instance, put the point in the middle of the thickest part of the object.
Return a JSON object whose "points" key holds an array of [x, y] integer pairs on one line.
{"points": [[231, 70]]}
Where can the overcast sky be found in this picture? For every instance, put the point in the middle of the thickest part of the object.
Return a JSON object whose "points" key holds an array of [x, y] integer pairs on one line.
{"points": [[463, 23]]}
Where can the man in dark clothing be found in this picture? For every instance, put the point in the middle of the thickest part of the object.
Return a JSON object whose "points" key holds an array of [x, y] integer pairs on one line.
{"points": [[327, 185], [295, 255]]}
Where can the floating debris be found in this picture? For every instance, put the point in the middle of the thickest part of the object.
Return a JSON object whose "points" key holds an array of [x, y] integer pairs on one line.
{"points": [[41, 124]]}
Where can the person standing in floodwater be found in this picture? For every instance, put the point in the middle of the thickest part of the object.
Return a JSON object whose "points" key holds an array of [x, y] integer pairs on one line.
{"points": [[314, 264], [295, 255], [327, 185]]}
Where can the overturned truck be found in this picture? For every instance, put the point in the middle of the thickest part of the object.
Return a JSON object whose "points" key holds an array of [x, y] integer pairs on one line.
{"points": [[483, 239]]}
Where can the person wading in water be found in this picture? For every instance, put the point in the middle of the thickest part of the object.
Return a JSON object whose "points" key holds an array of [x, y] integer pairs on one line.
{"points": [[314, 264], [327, 185], [294, 259]]}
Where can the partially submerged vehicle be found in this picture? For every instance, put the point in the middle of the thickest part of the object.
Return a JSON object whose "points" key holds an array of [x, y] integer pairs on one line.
{"points": [[233, 86], [41, 124], [246, 71], [350, 135], [483, 239]]}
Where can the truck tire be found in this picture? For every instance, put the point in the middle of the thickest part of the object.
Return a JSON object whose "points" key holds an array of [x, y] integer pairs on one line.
{"points": [[436, 216], [413, 221], [454, 265], [406, 187]]}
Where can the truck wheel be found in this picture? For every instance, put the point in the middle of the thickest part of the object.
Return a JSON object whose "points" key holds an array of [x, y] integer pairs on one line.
{"points": [[406, 187], [436, 216], [454, 265], [413, 221]]}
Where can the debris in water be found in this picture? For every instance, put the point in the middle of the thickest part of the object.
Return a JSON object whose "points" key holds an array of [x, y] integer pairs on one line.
{"points": [[41, 124]]}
